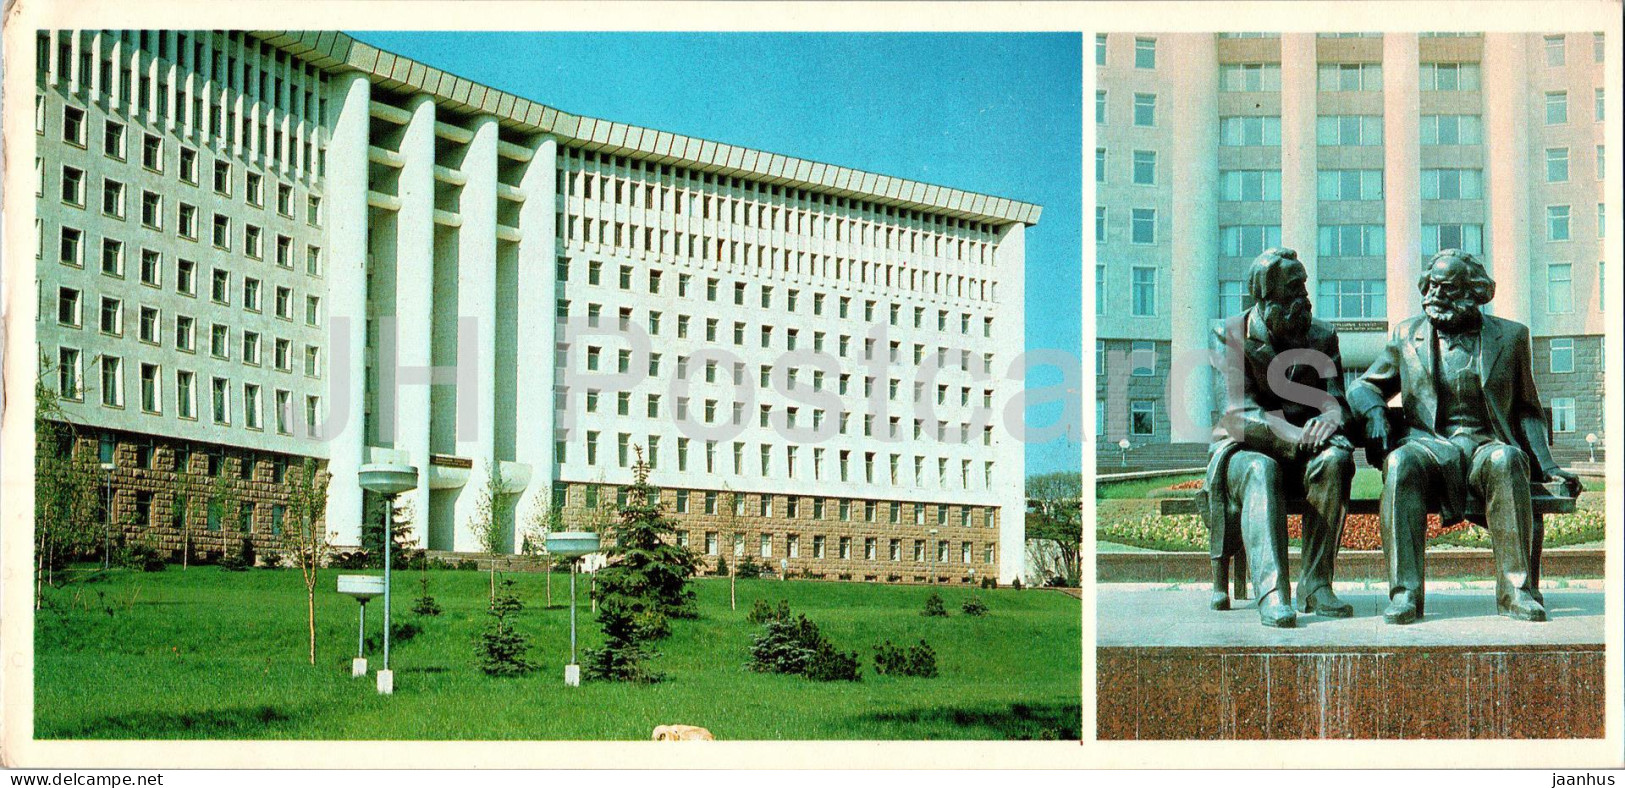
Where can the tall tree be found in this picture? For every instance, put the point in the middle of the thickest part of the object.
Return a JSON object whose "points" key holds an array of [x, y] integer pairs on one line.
{"points": [[1055, 516], [66, 488], [308, 540], [643, 585]]}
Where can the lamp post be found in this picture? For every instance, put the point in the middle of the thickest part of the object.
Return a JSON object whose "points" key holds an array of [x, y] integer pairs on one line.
{"points": [[362, 588], [572, 545], [1122, 452], [1591, 443], [784, 569], [388, 480], [107, 522]]}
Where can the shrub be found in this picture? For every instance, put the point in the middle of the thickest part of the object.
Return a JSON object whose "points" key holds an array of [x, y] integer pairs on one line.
{"points": [[425, 604], [989, 583], [1055, 581], [934, 606], [242, 559], [722, 567], [1016, 584], [796, 646], [271, 559], [143, 557], [974, 606], [501, 649], [349, 559], [761, 612], [748, 569], [918, 660]]}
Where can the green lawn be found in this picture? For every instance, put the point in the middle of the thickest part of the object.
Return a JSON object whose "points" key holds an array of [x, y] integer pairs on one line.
{"points": [[209, 654]]}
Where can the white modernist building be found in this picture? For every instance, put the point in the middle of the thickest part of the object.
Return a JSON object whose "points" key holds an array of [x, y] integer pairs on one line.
{"points": [[331, 251]]}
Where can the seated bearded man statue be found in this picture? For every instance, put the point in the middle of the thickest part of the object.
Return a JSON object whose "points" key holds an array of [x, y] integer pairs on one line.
{"points": [[1281, 438], [1472, 425]]}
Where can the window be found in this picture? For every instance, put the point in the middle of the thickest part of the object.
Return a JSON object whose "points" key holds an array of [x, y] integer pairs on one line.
{"points": [[148, 328], [1145, 53], [152, 153], [111, 320], [1145, 109], [185, 333], [1557, 107], [1597, 105], [1143, 291], [222, 232], [1143, 225], [1337, 77], [284, 200], [113, 139], [1467, 237], [1557, 165], [1142, 417], [254, 189], [1250, 77], [1142, 359], [1352, 240], [1145, 168], [1562, 355], [1100, 49], [1455, 184], [1353, 184], [112, 382], [73, 188], [186, 277], [1602, 162], [222, 178], [1562, 414], [1353, 299], [68, 373], [67, 307], [73, 126], [1452, 130], [185, 395], [1559, 288], [1348, 130], [1100, 165], [1250, 185], [1234, 298], [112, 257], [1249, 240], [253, 242], [70, 250], [1100, 106], [1100, 223], [1557, 222], [1250, 130], [1555, 55], [152, 210], [1449, 76], [188, 161], [186, 218]]}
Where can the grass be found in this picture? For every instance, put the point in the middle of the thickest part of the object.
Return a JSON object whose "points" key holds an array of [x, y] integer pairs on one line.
{"points": [[209, 654]]}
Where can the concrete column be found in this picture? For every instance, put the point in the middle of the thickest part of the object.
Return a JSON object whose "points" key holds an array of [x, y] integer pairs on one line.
{"points": [[1402, 187], [414, 301], [169, 79], [1193, 111], [94, 80], [348, 98], [476, 311], [115, 73], [75, 79], [1299, 154], [1506, 118], [1008, 453], [536, 330]]}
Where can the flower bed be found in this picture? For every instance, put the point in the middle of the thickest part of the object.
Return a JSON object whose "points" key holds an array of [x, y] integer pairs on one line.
{"points": [[1186, 532]]}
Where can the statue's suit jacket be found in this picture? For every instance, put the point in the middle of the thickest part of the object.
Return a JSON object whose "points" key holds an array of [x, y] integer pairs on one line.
{"points": [[1506, 373], [1253, 405]]}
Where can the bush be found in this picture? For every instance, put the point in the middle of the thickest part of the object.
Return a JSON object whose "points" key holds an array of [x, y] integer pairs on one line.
{"points": [[143, 557], [722, 567], [989, 583], [271, 559], [241, 560], [761, 612], [748, 569], [425, 605], [349, 559], [974, 606], [1016, 584], [918, 660], [1055, 581], [501, 649], [796, 646], [934, 606]]}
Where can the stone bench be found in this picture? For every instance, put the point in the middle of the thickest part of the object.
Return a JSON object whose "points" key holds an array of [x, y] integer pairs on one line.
{"points": [[1543, 498]]}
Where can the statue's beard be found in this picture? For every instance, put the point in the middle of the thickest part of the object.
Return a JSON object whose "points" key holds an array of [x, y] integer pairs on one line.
{"points": [[1451, 316], [1288, 321]]}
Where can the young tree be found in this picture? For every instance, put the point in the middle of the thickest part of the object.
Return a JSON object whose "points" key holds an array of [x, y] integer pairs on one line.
{"points": [[307, 538], [225, 500], [546, 515], [732, 501], [643, 585], [490, 515], [67, 492], [1055, 515]]}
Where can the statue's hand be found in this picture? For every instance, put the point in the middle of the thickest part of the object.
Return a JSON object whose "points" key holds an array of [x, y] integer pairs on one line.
{"points": [[1376, 430], [1316, 432], [1571, 483]]}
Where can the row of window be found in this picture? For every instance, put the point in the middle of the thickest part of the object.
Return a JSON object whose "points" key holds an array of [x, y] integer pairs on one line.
{"points": [[250, 413], [1339, 298], [787, 418], [269, 80], [845, 509], [150, 330], [1142, 417], [1145, 52], [791, 302], [844, 545], [768, 458], [1240, 130]]}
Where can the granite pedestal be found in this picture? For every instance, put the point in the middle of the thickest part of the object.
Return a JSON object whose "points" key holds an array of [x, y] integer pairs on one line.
{"points": [[1171, 669]]}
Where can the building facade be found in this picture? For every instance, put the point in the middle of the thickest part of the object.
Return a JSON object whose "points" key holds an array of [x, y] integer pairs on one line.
{"points": [[1367, 153], [257, 248]]}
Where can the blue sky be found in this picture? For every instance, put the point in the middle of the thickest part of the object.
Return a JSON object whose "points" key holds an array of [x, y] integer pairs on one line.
{"points": [[994, 113]]}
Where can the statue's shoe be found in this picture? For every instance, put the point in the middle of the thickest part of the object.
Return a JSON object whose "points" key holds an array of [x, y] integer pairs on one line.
{"points": [[1402, 610], [1323, 602], [1219, 601], [1522, 606], [1277, 615]]}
